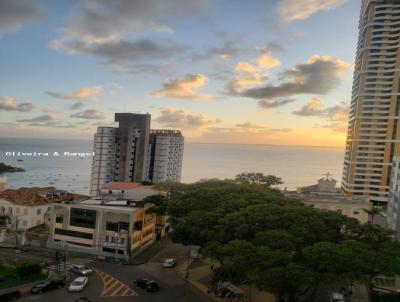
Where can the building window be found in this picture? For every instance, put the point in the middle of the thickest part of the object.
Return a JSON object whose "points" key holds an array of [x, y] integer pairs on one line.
{"points": [[59, 218], [73, 233], [25, 211], [117, 226], [83, 218], [39, 211], [24, 223], [18, 210]]}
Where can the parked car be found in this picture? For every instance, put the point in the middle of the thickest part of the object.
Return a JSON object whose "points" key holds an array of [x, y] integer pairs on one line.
{"points": [[336, 297], [170, 262], [152, 286], [47, 285], [83, 299], [148, 285], [10, 295], [142, 282], [78, 284], [81, 270]]}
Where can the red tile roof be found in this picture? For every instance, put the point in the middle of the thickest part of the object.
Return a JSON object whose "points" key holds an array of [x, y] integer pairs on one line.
{"points": [[35, 196]]}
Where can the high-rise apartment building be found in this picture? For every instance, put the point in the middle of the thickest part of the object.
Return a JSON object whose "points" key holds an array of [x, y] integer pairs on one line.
{"points": [[166, 154], [373, 137], [134, 153], [132, 146]]}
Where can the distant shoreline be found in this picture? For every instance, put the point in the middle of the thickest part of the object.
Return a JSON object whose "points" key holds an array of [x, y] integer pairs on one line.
{"points": [[7, 168]]}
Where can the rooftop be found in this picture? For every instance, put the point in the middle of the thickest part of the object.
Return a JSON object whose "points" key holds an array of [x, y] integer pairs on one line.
{"points": [[124, 185], [115, 205], [38, 196]]}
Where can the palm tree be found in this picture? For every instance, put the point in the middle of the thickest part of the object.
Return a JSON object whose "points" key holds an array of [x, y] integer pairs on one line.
{"points": [[372, 212]]}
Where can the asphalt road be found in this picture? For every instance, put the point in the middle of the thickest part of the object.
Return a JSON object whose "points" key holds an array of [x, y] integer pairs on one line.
{"points": [[115, 282]]}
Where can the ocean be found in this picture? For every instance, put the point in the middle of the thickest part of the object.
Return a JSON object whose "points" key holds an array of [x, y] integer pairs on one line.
{"points": [[46, 163]]}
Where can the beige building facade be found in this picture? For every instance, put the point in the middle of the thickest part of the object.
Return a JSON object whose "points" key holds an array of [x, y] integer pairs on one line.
{"points": [[373, 133]]}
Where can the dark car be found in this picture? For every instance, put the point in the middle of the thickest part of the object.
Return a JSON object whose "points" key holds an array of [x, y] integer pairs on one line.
{"points": [[152, 286], [82, 299], [47, 285], [148, 285], [142, 282], [9, 295]]}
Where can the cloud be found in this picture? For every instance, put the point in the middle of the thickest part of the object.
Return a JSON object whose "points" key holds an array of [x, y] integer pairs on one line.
{"points": [[41, 118], [8, 103], [336, 116], [81, 95], [272, 46], [267, 104], [76, 106], [291, 10], [249, 125], [248, 76], [183, 89], [312, 108], [15, 14], [177, 118], [90, 114], [53, 125], [267, 61], [319, 75], [228, 49], [106, 29]]}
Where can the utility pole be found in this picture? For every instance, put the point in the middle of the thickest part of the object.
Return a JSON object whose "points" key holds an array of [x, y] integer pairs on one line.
{"points": [[66, 259], [16, 232]]}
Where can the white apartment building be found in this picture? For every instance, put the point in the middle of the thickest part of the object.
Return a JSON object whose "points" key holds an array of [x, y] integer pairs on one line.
{"points": [[373, 137], [166, 155], [103, 162]]}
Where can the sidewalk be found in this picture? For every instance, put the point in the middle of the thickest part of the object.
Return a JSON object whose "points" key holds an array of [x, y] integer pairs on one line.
{"points": [[200, 276]]}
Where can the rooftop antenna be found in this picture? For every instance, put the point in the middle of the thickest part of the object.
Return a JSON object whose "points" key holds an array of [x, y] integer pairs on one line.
{"points": [[327, 175]]}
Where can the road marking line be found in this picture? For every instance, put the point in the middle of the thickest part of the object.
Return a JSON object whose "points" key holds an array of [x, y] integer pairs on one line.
{"points": [[115, 292], [112, 286]]}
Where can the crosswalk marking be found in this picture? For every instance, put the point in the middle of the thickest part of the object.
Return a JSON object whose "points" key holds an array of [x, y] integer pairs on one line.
{"points": [[112, 287], [70, 263]]}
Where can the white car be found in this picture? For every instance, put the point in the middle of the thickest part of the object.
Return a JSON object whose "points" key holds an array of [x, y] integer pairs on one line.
{"points": [[78, 284], [170, 262], [336, 297], [81, 270]]}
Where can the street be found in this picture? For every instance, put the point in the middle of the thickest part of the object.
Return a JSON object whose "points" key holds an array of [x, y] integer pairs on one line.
{"points": [[115, 282]]}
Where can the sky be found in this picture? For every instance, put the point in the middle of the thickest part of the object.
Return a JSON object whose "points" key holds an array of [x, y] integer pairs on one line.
{"points": [[261, 72]]}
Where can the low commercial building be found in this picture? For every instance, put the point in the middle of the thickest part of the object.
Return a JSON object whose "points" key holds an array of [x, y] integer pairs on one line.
{"points": [[325, 196], [118, 229], [114, 224]]}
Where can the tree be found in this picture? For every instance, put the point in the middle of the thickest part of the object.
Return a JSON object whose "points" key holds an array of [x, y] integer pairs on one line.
{"points": [[27, 270], [159, 204], [279, 245], [258, 178], [372, 212]]}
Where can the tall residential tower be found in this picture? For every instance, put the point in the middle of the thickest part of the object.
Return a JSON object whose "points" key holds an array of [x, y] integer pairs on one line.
{"points": [[373, 134], [132, 152]]}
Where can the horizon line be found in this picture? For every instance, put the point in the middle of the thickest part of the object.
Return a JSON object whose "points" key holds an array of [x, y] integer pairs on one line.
{"points": [[194, 142]]}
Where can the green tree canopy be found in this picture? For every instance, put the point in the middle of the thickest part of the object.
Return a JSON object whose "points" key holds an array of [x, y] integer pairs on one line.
{"points": [[258, 178], [280, 245]]}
